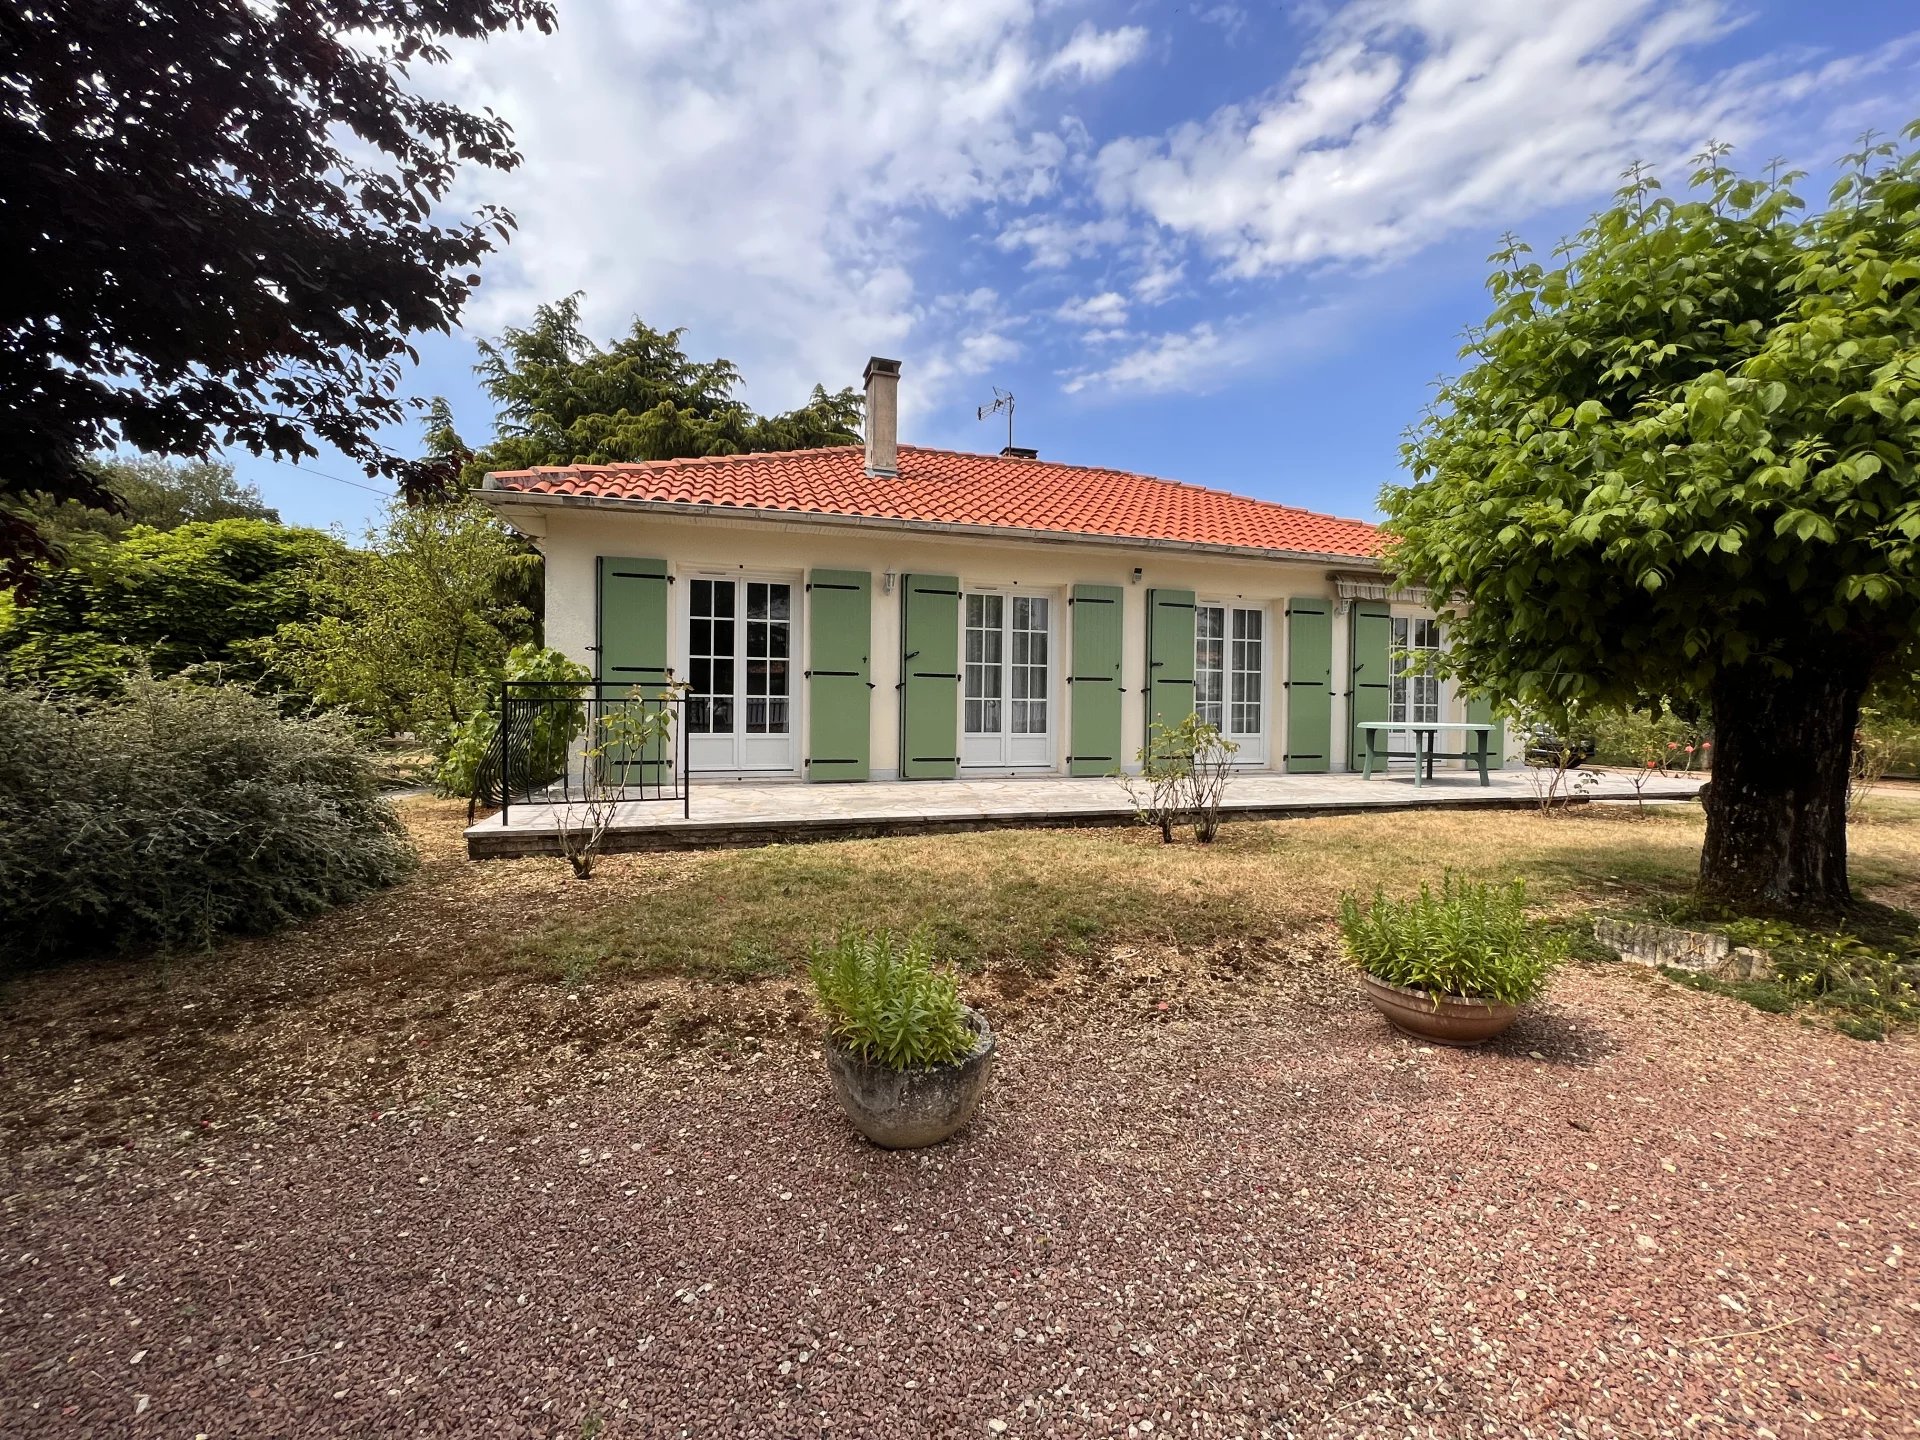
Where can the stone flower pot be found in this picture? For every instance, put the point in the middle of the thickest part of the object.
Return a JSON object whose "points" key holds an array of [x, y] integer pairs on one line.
{"points": [[1455, 1020], [906, 1109]]}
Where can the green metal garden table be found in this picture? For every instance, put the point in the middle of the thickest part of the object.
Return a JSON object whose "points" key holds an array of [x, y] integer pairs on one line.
{"points": [[1426, 734]]}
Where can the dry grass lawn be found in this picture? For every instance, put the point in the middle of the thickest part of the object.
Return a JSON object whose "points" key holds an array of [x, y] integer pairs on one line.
{"points": [[512, 973]]}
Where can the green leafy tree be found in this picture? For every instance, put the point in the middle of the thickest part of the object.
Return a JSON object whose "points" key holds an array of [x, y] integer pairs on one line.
{"points": [[201, 595], [1682, 463], [563, 400], [1896, 695], [224, 221], [411, 634], [160, 493]]}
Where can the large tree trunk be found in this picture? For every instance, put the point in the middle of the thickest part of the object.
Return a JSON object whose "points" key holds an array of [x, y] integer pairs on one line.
{"points": [[1777, 806]]}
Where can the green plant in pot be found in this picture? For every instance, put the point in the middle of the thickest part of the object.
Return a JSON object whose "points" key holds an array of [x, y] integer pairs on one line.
{"points": [[1455, 967], [908, 1059]]}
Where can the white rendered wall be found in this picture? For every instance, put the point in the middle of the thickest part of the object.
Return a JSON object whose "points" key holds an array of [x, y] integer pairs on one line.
{"points": [[573, 539]]}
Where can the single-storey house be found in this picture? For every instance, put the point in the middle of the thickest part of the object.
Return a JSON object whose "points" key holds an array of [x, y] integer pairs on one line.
{"points": [[890, 612]]}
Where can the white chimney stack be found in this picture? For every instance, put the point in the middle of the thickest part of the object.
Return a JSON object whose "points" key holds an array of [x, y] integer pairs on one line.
{"points": [[883, 416]]}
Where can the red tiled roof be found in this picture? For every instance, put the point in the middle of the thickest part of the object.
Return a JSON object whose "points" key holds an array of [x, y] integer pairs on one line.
{"points": [[948, 487]]}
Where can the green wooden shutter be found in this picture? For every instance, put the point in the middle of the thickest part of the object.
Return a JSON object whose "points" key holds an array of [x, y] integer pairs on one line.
{"points": [[1169, 658], [1094, 680], [632, 650], [1309, 685], [929, 677], [1371, 673], [1480, 712], [839, 655]]}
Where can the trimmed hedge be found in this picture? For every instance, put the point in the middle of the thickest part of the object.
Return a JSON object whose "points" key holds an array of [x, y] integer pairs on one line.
{"points": [[178, 812]]}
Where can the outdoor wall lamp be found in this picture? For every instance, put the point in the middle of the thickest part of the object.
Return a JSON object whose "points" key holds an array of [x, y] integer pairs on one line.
{"points": [[1136, 574], [886, 583]]}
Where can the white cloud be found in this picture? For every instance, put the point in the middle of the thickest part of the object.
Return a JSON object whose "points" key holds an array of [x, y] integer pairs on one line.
{"points": [[1233, 20], [1094, 54], [1055, 244], [788, 180], [1184, 360], [1211, 354], [1102, 311], [976, 353], [1412, 119], [766, 173]]}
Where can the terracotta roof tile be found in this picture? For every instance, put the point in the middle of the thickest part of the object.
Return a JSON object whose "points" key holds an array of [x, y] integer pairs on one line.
{"points": [[948, 487]]}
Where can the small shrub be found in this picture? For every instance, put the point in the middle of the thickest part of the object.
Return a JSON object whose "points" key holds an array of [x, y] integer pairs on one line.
{"points": [[1632, 737], [176, 813], [1884, 745], [1183, 777], [1469, 940], [884, 1000], [619, 733], [1557, 746], [539, 747]]}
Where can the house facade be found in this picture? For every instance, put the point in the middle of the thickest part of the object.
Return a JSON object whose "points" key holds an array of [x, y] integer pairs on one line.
{"points": [[889, 612]]}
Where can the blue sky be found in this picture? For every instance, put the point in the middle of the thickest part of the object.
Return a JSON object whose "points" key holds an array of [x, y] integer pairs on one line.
{"points": [[1228, 243]]}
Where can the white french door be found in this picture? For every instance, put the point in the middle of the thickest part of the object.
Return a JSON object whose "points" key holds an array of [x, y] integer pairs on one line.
{"points": [[1413, 692], [1006, 704], [1230, 675], [740, 674]]}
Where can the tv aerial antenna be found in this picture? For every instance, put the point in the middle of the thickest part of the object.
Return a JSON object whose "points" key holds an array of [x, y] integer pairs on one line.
{"points": [[1002, 400]]}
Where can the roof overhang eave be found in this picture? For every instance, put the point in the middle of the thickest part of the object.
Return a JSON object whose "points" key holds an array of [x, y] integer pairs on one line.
{"points": [[503, 497]]}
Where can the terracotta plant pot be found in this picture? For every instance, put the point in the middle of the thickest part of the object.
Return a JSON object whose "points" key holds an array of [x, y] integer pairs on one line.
{"points": [[1455, 1020], [907, 1109]]}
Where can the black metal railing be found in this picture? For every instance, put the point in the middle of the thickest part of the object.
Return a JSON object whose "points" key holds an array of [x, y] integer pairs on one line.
{"points": [[561, 741]]}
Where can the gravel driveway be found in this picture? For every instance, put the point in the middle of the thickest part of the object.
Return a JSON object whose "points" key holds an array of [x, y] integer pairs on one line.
{"points": [[1252, 1211]]}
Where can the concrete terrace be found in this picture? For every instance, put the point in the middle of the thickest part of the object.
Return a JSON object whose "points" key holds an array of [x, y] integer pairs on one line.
{"points": [[726, 812]]}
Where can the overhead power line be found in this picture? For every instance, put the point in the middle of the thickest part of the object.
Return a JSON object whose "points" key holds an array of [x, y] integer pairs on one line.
{"points": [[322, 474]]}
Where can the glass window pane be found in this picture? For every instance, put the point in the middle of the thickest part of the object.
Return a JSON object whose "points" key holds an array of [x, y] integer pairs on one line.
{"points": [[1248, 678], [1209, 665], [1413, 695]]}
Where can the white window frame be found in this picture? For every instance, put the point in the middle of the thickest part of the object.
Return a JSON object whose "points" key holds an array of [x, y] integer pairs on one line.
{"points": [[1006, 749], [1258, 744], [741, 752]]}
